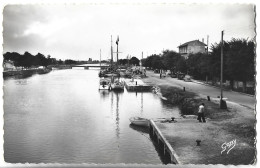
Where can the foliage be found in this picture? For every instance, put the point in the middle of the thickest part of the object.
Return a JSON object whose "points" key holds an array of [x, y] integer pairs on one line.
{"points": [[170, 60], [215, 60], [198, 65], [181, 65], [69, 61], [123, 61], [240, 60], [27, 60], [134, 61]]}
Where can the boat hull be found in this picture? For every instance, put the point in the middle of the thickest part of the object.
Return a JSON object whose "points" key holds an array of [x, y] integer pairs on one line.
{"points": [[104, 84], [104, 87], [117, 87], [139, 121]]}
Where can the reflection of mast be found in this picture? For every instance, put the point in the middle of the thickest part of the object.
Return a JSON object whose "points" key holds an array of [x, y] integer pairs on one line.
{"points": [[112, 98], [142, 104], [117, 116]]}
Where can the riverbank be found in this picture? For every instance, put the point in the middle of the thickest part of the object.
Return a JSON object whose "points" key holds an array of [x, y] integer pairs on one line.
{"points": [[237, 123], [25, 72]]}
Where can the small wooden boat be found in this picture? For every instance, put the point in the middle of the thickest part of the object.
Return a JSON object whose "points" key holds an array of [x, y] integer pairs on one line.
{"points": [[139, 121], [104, 84]]}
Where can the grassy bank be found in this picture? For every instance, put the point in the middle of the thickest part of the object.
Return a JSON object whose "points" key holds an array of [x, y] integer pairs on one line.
{"points": [[234, 121]]}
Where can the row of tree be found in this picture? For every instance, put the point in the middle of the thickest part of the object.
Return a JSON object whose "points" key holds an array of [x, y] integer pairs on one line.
{"points": [[131, 61], [28, 60], [238, 62]]}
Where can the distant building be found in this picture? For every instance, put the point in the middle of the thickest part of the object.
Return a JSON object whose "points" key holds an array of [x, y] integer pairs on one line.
{"points": [[8, 65], [192, 47], [90, 60]]}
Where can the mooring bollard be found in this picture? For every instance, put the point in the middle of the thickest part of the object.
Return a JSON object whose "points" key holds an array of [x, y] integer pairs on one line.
{"points": [[184, 89], [223, 104], [198, 142], [208, 98]]}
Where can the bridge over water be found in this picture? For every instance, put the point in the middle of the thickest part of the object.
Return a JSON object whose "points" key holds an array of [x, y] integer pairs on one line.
{"points": [[87, 66]]}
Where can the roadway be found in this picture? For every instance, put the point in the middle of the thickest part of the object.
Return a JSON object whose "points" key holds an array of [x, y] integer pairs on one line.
{"points": [[206, 90]]}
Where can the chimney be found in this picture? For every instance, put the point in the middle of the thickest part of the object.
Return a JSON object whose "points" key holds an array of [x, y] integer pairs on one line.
{"points": [[202, 40]]}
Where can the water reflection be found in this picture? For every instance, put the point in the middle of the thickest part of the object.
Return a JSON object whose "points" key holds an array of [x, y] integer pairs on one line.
{"points": [[117, 116], [21, 82], [104, 94], [139, 129]]}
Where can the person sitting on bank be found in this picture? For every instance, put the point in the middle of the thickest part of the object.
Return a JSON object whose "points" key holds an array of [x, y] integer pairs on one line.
{"points": [[201, 113]]}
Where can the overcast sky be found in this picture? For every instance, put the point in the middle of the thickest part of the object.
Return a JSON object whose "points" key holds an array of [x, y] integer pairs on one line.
{"points": [[79, 31]]}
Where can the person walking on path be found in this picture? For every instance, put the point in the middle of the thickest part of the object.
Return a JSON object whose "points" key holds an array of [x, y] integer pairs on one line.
{"points": [[201, 113]]}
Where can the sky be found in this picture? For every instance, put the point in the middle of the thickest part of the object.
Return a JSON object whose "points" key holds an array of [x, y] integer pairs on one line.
{"points": [[80, 31]]}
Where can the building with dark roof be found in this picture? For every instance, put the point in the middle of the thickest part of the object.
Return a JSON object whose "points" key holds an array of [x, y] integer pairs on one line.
{"points": [[192, 47]]}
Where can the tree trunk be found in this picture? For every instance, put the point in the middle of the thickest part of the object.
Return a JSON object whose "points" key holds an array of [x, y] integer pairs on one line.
{"points": [[232, 84], [244, 86]]}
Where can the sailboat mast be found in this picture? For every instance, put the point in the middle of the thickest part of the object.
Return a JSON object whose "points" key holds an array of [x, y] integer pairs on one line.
{"points": [[100, 59], [111, 52], [117, 50]]}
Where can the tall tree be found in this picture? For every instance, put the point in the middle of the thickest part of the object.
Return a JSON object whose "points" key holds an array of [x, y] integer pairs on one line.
{"points": [[170, 59], [240, 60], [198, 65], [134, 61], [215, 60]]}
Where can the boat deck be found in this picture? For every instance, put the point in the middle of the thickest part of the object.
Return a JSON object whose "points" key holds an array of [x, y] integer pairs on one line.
{"points": [[137, 85]]}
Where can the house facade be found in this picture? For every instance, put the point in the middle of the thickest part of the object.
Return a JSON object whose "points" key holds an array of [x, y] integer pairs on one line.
{"points": [[192, 47]]}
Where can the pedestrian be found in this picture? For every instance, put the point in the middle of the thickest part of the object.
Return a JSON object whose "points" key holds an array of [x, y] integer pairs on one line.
{"points": [[201, 113], [160, 75]]}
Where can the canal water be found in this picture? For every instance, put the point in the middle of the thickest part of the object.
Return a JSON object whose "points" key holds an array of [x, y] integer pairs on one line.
{"points": [[62, 117]]}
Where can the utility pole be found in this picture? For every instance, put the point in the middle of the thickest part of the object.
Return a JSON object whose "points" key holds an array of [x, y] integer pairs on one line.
{"points": [[207, 54], [141, 63], [128, 60], [223, 104]]}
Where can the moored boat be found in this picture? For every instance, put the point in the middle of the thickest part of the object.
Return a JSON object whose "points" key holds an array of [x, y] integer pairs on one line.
{"points": [[139, 121], [104, 83], [117, 85]]}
